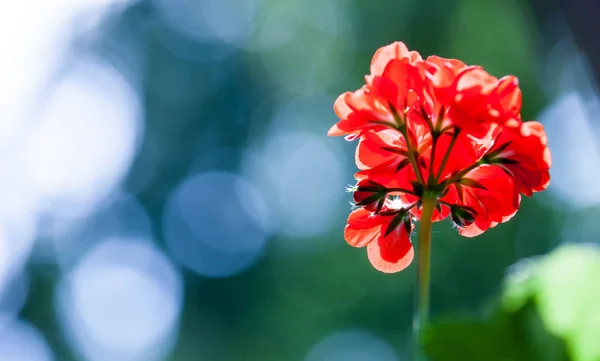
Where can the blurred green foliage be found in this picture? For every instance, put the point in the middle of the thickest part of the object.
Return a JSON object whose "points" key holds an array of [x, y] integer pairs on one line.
{"points": [[548, 311]]}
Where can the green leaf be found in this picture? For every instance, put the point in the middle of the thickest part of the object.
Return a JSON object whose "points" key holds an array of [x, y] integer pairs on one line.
{"points": [[516, 336], [566, 289], [549, 311], [568, 298], [520, 285]]}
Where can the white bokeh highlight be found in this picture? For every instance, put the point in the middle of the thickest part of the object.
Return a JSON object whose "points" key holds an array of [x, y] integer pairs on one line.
{"points": [[352, 345], [86, 139], [37, 42], [571, 124], [572, 136], [216, 224], [121, 302], [20, 341], [28, 36], [51, 122]]}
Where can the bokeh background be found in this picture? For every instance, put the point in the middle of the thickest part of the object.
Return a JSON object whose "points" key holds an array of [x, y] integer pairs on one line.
{"points": [[167, 191]]}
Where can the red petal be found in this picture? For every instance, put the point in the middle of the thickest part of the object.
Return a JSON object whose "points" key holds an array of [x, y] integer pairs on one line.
{"points": [[340, 107], [471, 231], [528, 148], [335, 131], [453, 64], [388, 175], [509, 95], [461, 156], [407, 79], [495, 199], [392, 253], [443, 72], [386, 90], [357, 111], [475, 80], [375, 148], [362, 228], [500, 196], [396, 50]]}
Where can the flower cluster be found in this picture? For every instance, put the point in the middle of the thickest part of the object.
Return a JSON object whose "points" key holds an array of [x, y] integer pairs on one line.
{"points": [[435, 129]]}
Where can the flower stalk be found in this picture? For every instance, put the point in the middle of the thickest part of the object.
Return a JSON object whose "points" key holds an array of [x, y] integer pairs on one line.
{"points": [[423, 271]]}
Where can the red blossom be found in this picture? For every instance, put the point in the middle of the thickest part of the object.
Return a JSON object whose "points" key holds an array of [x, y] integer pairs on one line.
{"points": [[386, 236], [523, 153], [437, 128], [474, 99], [489, 193]]}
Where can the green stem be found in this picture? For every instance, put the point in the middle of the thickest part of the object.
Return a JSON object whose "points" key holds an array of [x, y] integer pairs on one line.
{"points": [[423, 271], [447, 155], [431, 178], [402, 128], [411, 157], [458, 176]]}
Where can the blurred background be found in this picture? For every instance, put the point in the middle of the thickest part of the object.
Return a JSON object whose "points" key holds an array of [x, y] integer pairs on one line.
{"points": [[168, 192]]}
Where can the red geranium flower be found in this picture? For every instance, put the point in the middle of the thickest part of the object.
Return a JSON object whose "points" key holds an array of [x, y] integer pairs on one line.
{"points": [[436, 129]]}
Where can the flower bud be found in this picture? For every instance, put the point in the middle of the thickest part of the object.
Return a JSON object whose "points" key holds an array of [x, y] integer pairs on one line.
{"points": [[370, 195], [463, 216]]}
